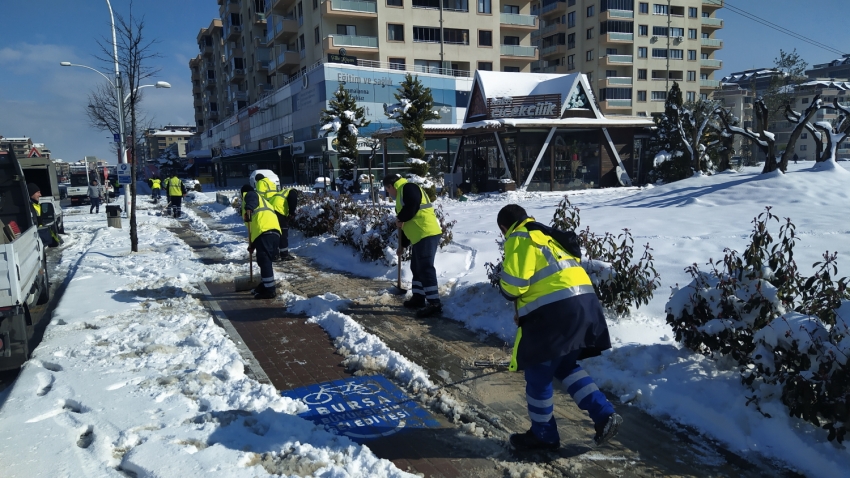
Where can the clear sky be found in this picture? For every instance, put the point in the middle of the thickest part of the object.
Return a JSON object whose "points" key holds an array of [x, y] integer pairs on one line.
{"points": [[46, 102]]}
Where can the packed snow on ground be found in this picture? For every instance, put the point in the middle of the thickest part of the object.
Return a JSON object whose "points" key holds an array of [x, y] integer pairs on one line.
{"points": [[133, 376], [149, 347]]}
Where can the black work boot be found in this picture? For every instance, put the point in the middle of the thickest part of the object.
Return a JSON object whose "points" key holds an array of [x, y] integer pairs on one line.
{"points": [[415, 302], [430, 310], [606, 429], [528, 442]]}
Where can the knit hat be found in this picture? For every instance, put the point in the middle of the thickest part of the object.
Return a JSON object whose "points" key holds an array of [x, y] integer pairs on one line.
{"points": [[33, 188]]}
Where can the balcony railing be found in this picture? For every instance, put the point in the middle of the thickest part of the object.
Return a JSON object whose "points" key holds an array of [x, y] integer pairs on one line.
{"points": [[518, 50], [551, 49], [551, 7], [711, 42], [712, 22], [616, 36], [517, 19], [709, 83], [713, 3], [354, 5], [617, 103], [355, 40], [618, 80], [619, 58], [709, 63], [621, 13]]}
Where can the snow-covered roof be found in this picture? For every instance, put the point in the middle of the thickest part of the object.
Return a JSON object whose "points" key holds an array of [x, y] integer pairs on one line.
{"points": [[15, 139], [749, 75], [199, 153], [172, 133]]}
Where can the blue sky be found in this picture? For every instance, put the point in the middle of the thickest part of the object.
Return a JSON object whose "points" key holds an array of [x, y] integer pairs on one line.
{"points": [[46, 102]]}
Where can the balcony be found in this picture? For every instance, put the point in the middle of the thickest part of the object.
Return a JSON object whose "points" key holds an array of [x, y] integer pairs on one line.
{"points": [[556, 8], [350, 8], [709, 84], [513, 21], [550, 30], [711, 43], [237, 75], [616, 15], [615, 81], [352, 43], [206, 50], [611, 60], [712, 4], [614, 37], [616, 104], [232, 32], [285, 60], [553, 69], [711, 64], [259, 19], [710, 22], [279, 6], [282, 29], [553, 50], [519, 51], [240, 96]]}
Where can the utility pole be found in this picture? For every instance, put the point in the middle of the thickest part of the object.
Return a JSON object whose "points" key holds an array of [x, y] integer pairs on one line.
{"points": [[667, 76]]}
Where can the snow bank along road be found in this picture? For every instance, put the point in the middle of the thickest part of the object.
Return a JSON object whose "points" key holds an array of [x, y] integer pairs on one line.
{"points": [[485, 405]]}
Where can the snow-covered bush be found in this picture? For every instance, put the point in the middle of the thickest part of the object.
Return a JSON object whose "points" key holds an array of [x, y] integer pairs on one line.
{"points": [[786, 332], [370, 230]]}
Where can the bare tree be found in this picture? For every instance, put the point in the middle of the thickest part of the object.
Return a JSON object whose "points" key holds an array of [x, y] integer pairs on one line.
{"points": [[134, 53], [835, 133], [692, 124]]}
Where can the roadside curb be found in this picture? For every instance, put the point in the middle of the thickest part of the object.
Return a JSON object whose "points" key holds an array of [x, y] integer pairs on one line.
{"points": [[255, 371]]}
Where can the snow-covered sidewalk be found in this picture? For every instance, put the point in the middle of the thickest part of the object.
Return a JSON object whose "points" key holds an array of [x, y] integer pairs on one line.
{"points": [[133, 375]]}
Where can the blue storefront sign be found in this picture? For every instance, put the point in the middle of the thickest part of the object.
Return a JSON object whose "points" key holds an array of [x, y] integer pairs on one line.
{"points": [[362, 408]]}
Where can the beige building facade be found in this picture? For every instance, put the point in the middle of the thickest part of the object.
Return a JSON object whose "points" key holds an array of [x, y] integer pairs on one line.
{"points": [[259, 46], [632, 51]]}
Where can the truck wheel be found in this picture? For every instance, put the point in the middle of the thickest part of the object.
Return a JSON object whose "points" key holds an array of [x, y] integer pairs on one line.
{"points": [[62, 226], [44, 296]]}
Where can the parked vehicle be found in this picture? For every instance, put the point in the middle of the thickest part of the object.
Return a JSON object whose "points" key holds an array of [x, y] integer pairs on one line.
{"points": [[79, 186], [23, 263], [42, 172]]}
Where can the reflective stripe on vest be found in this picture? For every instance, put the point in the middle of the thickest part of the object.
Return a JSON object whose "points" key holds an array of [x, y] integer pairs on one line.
{"points": [[280, 203], [263, 219], [424, 223]]}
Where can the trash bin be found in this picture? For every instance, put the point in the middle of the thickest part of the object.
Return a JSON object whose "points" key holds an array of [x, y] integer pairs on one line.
{"points": [[113, 216]]}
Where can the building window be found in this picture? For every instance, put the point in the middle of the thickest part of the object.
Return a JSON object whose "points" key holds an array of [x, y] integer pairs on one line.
{"points": [[641, 52], [704, 97], [588, 56], [676, 54], [642, 74], [590, 11], [346, 29], [395, 32], [511, 69], [315, 4], [659, 9], [397, 64], [692, 12], [803, 101], [456, 5], [571, 62], [456, 36], [691, 96], [426, 34], [804, 135], [485, 38], [610, 73], [571, 3], [610, 51], [659, 31], [509, 40], [485, 65], [802, 147], [484, 6], [643, 30], [395, 3], [704, 56], [510, 9], [659, 95], [641, 95], [692, 55], [589, 33], [571, 19], [692, 76], [692, 33], [643, 8], [302, 43], [316, 35], [677, 32], [659, 53], [571, 41]]}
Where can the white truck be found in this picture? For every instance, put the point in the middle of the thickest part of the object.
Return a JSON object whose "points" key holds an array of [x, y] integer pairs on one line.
{"points": [[23, 263]]}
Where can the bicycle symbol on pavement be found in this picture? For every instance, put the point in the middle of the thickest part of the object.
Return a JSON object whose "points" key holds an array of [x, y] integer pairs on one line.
{"points": [[326, 393]]}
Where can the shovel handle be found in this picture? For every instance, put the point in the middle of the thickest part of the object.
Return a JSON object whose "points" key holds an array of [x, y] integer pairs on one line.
{"points": [[251, 264]]}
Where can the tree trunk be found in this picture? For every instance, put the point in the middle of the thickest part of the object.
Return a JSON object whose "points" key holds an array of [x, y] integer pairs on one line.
{"points": [[805, 117], [131, 188]]}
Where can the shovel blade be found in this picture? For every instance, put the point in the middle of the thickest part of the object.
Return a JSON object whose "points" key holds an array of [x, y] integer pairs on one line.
{"points": [[243, 283]]}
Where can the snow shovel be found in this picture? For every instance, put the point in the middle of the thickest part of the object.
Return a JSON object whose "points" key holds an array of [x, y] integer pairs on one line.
{"points": [[398, 290], [243, 283]]}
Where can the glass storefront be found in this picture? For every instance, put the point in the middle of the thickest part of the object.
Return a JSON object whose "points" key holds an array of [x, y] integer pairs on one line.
{"points": [[572, 160]]}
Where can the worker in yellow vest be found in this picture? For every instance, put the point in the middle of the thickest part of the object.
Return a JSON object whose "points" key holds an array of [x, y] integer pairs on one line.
{"points": [[156, 188], [264, 234], [176, 190], [49, 235], [417, 224], [559, 320]]}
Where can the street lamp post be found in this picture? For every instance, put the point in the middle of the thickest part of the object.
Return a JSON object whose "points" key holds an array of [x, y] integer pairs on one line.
{"points": [[119, 95]]}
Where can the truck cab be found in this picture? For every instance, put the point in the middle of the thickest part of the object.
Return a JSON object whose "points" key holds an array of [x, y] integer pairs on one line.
{"points": [[42, 172]]}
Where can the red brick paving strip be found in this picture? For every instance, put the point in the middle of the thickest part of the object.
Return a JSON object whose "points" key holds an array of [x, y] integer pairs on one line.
{"points": [[294, 353]]}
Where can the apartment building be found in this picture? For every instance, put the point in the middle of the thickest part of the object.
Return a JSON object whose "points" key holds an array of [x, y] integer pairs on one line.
{"points": [[158, 140], [829, 91], [839, 68], [258, 46], [632, 51]]}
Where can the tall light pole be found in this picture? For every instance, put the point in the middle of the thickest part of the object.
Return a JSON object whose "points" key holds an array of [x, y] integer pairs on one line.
{"points": [[119, 95]]}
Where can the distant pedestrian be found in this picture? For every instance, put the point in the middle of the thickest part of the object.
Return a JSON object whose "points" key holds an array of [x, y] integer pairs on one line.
{"points": [[417, 224], [263, 236], [559, 320], [795, 158], [156, 188], [95, 195], [176, 190]]}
